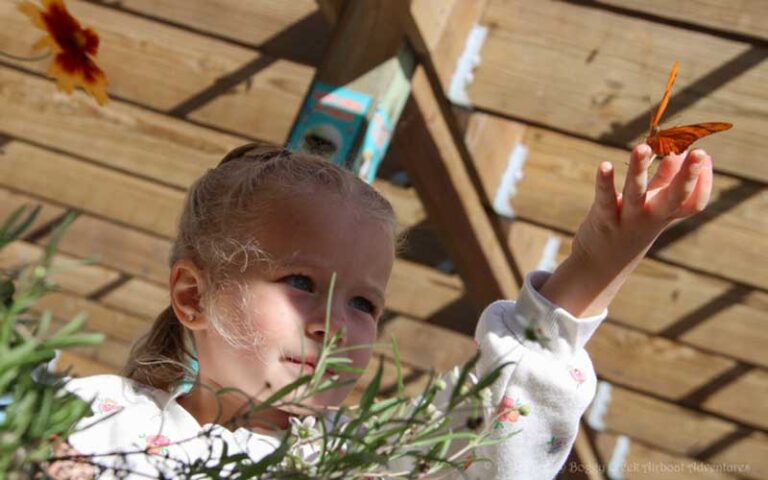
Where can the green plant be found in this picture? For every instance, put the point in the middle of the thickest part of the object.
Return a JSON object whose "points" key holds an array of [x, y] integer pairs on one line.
{"points": [[39, 411]]}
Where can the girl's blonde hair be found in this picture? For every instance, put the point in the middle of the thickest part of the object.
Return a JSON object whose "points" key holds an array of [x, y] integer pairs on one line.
{"points": [[216, 232]]}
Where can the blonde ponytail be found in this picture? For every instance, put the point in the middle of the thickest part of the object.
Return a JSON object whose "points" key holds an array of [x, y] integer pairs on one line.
{"points": [[161, 357]]}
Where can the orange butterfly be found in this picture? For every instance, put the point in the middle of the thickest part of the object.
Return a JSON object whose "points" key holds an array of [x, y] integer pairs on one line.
{"points": [[678, 139]]}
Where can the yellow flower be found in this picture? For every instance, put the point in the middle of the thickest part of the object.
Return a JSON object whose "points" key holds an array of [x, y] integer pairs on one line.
{"points": [[73, 46]]}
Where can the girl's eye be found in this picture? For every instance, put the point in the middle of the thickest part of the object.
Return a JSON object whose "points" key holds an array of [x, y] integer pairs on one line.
{"points": [[302, 282], [364, 305]]}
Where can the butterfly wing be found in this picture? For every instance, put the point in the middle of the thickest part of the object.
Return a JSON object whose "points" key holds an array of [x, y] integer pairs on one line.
{"points": [[678, 139], [665, 99]]}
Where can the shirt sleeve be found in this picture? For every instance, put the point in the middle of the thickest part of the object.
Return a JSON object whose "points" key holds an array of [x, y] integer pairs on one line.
{"points": [[543, 391]]}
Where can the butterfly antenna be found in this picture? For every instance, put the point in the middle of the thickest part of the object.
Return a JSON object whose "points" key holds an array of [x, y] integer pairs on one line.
{"points": [[665, 99]]}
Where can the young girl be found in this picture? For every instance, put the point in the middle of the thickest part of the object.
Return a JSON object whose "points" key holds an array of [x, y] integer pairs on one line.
{"points": [[259, 240]]}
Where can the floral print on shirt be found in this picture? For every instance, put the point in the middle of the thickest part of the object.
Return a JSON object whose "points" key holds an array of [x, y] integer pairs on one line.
{"points": [[156, 444], [510, 411]]}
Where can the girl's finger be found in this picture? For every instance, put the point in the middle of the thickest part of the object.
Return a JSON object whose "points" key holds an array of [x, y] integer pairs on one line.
{"points": [[636, 183], [668, 167], [699, 198], [605, 191], [671, 199]]}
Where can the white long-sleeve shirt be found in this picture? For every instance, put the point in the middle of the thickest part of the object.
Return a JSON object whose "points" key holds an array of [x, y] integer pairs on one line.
{"points": [[541, 396]]}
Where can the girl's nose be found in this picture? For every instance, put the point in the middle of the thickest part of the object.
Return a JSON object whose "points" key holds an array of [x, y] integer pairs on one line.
{"points": [[316, 327]]}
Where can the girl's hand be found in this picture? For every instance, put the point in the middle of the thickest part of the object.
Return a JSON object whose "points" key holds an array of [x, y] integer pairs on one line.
{"points": [[620, 228]]}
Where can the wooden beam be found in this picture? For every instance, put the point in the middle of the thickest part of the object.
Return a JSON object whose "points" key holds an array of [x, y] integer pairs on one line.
{"points": [[430, 154]]}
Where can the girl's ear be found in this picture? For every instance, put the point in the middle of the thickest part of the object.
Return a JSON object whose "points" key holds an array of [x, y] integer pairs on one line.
{"points": [[187, 287]]}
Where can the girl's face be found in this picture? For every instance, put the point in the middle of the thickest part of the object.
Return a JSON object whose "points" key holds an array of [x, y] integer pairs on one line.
{"points": [[308, 238]]}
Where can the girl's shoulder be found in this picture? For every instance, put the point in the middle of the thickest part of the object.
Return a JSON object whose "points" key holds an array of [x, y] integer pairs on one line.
{"points": [[112, 391]]}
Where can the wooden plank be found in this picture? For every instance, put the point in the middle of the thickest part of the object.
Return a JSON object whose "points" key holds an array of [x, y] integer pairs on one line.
{"points": [[409, 210], [420, 291], [740, 331], [123, 137], [428, 346], [443, 28], [558, 189], [741, 17], [82, 366], [744, 399], [670, 427], [283, 29], [111, 353], [163, 67], [262, 106], [750, 454], [644, 462], [92, 188], [527, 243], [138, 297], [119, 326], [652, 364], [430, 154], [10, 201], [414, 378], [598, 74], [130, 251], [66, 271]]}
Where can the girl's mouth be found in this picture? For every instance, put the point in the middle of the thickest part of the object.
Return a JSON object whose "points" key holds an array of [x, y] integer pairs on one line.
{"points": [[308, 365]]}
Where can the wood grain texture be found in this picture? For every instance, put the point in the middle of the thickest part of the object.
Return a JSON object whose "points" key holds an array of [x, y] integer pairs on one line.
{"points": [[11, 200], [743, 399], [739, 330], [749, 454], [428, 346], [124, 249], [162, 67], [82, 366], [557, 185], [643, 461], [117, 325], [282, 29], [66, 271], [123, 137], [558, 188], [598, 74], [661, 423], [427, 149], [91, 188], [652, 364], [742, 16]]}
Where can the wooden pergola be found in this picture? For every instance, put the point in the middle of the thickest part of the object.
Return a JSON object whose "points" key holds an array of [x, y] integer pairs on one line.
{"points": [[490, 169]]}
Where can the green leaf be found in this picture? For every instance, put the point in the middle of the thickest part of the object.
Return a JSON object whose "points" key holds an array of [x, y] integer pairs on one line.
{"points": [[57, 234], [399, 367], [10, 231], [372, 389]]}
